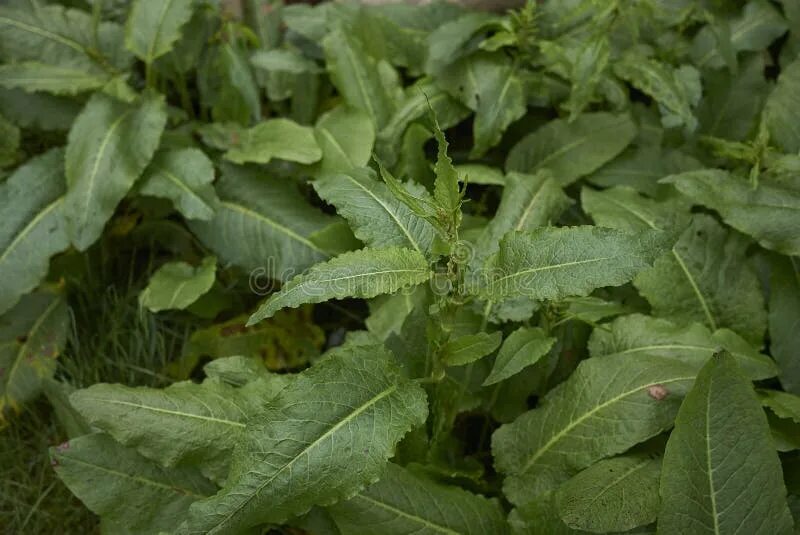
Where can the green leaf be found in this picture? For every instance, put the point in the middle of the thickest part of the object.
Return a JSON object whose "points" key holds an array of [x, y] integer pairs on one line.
{"points": [[227, 85], [38, 110], [282, 61], [262, 222], [402, 502], [706, 278], [176, 285], [524, 347], [782, 109], [784, 319], [125, 488], [613, 495], [35, 76], [623, 208], [692, 344], [448, 42], [487, 84], [605, 407], [316, 442], [276, 138], [553, 263], [365, 273], [108, 147], [770, 213], [528, 202], [720, 471], [31, 202], [469, 348], [9, 142], [346, 138], [32, 335], [539, 517], [376, 216], [446, 190], [183, 176], [572, 149], [783, 404], [153, 26]]}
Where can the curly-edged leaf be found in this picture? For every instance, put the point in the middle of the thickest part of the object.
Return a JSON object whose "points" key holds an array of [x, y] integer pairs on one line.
{"points": [[692, 343], [770, 213], [153, 26], [323, 438], [39, 110], [524, 347], [707, 278], [721, 473], [784, 319], [62, 37], [32, 335], [446, 190], [183, 176], [365, 273], [782, 109], [624, 208], [35, 76], [553, 263], [262, 222], [488, 84], [31, 201], [346, 138], [572, 149], [613, 495], [176, 285], [376, 216], [783, 404], [528, 202], [605, 407], [469, 348], [276, 138], [108, 147], [183, 424], [125, 488], [402, 502]]}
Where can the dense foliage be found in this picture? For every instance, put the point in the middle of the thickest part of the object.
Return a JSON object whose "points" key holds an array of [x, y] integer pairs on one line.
{"points": [[580, 315]]}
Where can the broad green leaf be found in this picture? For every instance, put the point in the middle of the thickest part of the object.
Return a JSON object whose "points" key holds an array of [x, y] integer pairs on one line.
{"points": [[487, 84], [31, 202], [176, 285], [623, 208], [153, 26], [9, 142], [572, 149], [276, 138], [323, 438], [35, 76], [469, 348], [706, 278], [539, 517], [591, 309], [388, 313], [183, 424], [528, 202], [605, 407], [183, 176], [770, 213], [283, 61], [365, 273], [125, 488], [524, 347], [784, 319], [38, 110], [108, 147], [376, 216], [240, 370], [346, 138], [451, 40], [692, 344], [553, 263], [782, 109], [613, 495], [227, 85], [262, 223], [720, 472], [32, 335], [402, 502], [783, 404], [476, 173]]}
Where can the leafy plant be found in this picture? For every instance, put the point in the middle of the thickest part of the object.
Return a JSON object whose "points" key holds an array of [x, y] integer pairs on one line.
{"points": [[432, 270]]}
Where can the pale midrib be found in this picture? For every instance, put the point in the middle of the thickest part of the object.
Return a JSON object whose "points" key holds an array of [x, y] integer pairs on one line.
{"points": [[304, 284], [711, 489], [734, 36], [172, 488], [305, 451], [526, 214], [255, 215], [574, 423], [388, 211], [32, 332], [167, 411], [28, 228], [152, 45], [634, 212], [360, 82], [680, 346], [332, 140], [44, 33], [178, 182], [496, 105], [696, 289], [73, 77], [554, 266], [176, 292], [413, 518], [624, 475], [569, 146]]}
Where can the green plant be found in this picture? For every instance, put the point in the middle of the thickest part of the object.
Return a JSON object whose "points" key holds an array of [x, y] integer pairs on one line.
{"points": [[579, 318]]}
